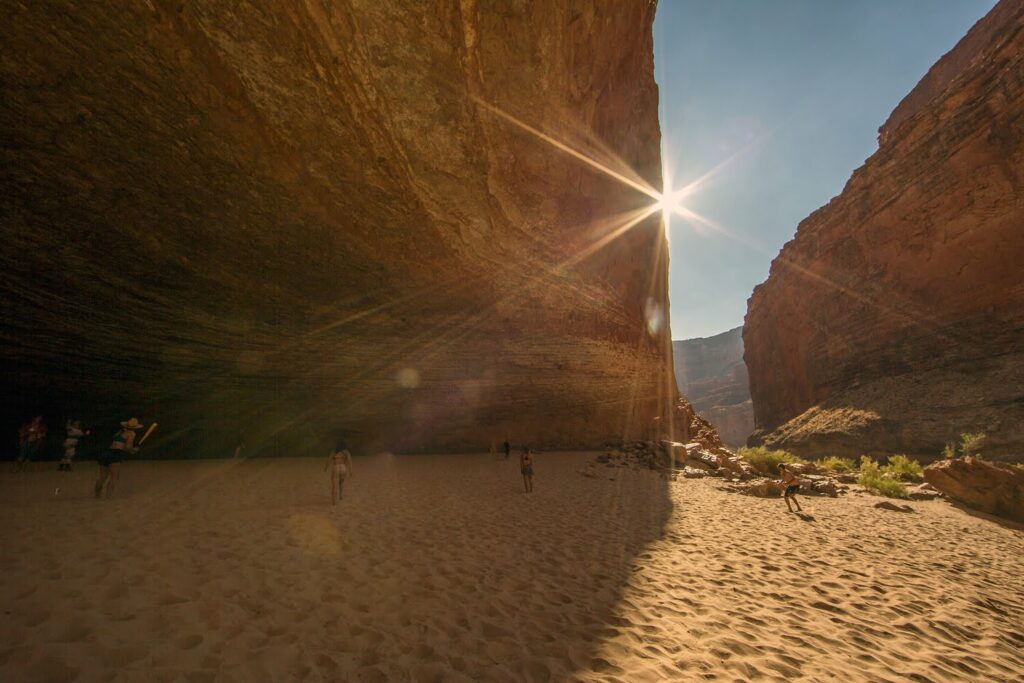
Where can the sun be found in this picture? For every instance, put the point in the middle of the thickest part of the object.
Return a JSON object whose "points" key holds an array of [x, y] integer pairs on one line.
{"points": [[670, 202]]}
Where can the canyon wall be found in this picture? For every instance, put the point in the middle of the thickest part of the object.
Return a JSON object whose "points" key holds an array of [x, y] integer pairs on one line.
{"points": [[894, 320], [279, 223], [711, 373]]}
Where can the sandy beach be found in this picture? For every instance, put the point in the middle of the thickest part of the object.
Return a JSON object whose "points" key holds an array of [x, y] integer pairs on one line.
{"points": [[439, 568]]}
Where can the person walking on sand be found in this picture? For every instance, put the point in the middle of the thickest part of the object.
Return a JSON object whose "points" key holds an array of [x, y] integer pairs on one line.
{"points": [[339, 461], [74, 433], [30, 438], [526, 467], [792, 486], [508, 448], [110, 460]]}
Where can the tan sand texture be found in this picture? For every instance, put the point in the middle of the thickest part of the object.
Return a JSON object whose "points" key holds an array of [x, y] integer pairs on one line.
{"points": [[438, 568]]}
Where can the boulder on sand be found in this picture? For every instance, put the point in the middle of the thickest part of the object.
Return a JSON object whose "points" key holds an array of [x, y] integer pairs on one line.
{"points": [[761, 487], [993, 487]]}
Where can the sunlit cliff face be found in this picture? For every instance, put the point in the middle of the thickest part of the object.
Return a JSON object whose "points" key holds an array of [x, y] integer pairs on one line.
{"points": [[421, 228]]}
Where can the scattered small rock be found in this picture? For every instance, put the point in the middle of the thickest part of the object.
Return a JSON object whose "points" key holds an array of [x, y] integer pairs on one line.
{"points": [[922, 492], [886, 505]]}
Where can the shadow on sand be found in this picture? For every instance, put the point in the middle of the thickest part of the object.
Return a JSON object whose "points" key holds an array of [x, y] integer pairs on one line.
{"points": [[430, 564]]}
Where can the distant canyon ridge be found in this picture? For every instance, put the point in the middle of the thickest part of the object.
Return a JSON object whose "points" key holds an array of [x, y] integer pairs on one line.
{"points": [[711, 373], [894, 320]]}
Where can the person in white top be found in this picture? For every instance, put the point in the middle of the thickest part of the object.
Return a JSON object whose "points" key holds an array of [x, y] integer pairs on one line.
{"points": [[74, 433]]}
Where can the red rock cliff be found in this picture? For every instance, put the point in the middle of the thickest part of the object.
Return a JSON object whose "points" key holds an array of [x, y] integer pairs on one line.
{"points": [[274, 222], [894, 320]]}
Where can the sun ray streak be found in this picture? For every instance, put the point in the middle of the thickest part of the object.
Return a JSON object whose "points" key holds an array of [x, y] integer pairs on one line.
{"points": [[611, 236], [640, 187]]}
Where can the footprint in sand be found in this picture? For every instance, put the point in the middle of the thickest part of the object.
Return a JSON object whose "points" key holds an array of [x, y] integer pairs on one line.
{"points": [[25, 592], [372, 675], [36, 617], [52, 671], [74, 633], [123, 656], [493, 631], [170, 599], [190, 642]]}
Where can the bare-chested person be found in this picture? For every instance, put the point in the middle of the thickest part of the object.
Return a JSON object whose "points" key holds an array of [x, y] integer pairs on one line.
{"points": [[339, 462], [792, 486]]}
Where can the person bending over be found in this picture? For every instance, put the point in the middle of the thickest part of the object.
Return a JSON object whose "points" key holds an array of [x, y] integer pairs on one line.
{"points": [[792, 486]]}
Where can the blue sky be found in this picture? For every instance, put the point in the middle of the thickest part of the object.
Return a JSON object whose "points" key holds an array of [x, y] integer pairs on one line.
{"points": [[798, 88]]}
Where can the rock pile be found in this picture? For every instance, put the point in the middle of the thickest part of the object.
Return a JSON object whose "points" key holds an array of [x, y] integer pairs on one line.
{"points": [[810, 485], [699, 459], [696, 429], [635, 455]]}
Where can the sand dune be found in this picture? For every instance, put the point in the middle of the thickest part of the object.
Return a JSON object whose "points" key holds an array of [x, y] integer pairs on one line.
{"points": [[438, 568]]}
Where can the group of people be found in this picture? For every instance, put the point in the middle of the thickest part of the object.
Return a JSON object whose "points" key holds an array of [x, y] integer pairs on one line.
{"points": [[339, 460], [33, 432]]}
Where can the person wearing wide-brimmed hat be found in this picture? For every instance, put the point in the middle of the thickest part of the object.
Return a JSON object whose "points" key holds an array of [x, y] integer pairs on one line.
{"points": [[110, 460]]}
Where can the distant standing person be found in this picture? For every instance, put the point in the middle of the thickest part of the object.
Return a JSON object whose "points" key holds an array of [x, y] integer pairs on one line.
{"points": [[74, 433], [526, 467], [508, 448], [339, 461], [792, 486], [110, 460], [30, 438]]}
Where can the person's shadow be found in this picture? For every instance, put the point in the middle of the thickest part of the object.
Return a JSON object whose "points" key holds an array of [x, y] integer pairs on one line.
{"points": [[806, 517]]}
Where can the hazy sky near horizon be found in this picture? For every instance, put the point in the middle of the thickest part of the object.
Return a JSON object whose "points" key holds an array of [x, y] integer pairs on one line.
{"points": [[794, 92]]}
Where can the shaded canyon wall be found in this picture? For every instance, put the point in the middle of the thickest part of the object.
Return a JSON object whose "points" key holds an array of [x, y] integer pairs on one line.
{"points": [[278, 223], [894, 320], [711, 373]]}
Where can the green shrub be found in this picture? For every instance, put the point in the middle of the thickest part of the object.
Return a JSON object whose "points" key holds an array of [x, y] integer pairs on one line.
{"points": [[970, 443], [834, 464], [901, 466], [873, 479], [766, 461]]}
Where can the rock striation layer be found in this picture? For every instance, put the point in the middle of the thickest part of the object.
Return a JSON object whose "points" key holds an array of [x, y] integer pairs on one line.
{"points": [[274, 223], [711, 373], [894, 320]]}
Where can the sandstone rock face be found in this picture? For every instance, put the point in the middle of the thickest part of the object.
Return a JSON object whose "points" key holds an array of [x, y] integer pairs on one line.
{"points": [[993, 487], [274, 223], [894, 320], [711, 373], [974, 46]]}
